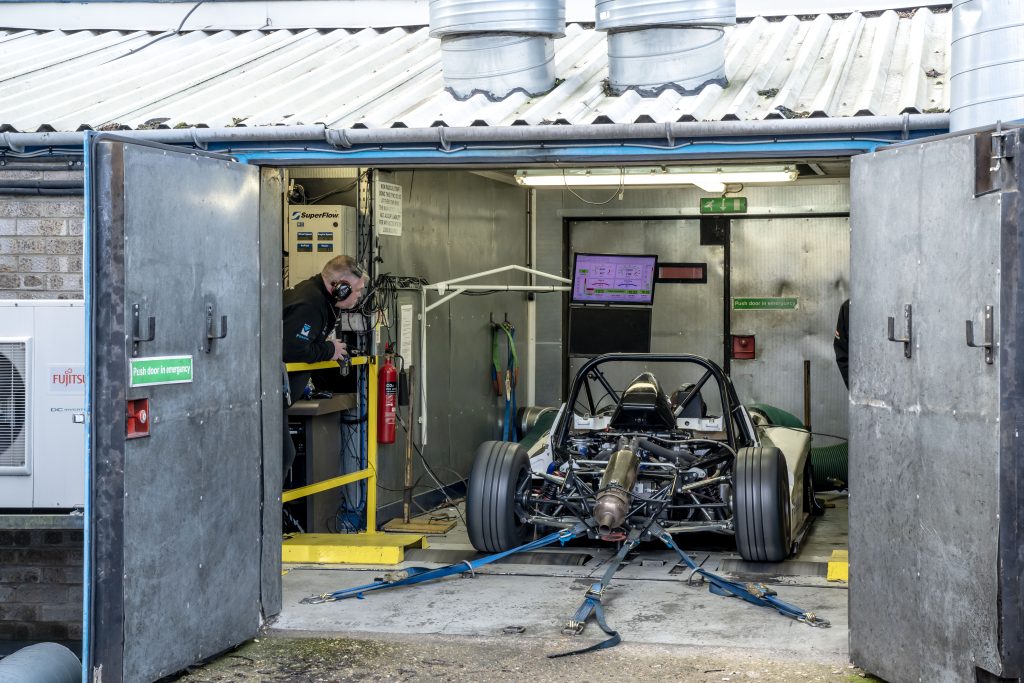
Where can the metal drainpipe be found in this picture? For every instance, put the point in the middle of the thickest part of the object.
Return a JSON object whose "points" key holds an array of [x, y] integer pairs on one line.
{"points": [[349, 137]]}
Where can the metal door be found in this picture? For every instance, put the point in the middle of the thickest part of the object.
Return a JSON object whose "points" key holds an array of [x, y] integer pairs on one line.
{"points": [[788, 279], [184, 528], [688, 317], [931, 595]]}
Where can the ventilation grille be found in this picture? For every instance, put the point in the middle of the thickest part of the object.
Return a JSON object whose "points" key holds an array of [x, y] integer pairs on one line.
{"points": [[13, 400]]}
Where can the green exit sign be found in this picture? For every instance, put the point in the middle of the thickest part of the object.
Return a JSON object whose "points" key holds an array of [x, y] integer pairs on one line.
{"points": [[723, 205]]}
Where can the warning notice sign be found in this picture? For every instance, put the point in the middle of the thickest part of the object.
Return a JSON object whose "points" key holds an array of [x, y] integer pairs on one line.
{"points": [[387, 208]]}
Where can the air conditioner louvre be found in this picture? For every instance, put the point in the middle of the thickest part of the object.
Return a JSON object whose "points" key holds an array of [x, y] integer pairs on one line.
{"points": [[13, 405]]}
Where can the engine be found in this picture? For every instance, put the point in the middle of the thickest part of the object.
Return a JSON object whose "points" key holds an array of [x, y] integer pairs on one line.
{"points": [[642, 466]]}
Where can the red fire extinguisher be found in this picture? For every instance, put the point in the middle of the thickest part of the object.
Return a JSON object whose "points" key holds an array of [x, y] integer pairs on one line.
{"points": [[387, 383]]}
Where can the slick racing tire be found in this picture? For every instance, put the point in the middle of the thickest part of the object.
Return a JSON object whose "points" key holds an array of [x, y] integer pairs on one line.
{"points": [[500, 469], [762, 505]]}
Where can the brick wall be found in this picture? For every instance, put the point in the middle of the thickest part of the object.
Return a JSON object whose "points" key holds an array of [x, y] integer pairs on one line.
{"points": [[40, 241], [40, 584]]}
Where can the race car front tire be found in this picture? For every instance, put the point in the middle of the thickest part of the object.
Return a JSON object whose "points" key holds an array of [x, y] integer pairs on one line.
{"points": [[762, 515], [499, 468]]}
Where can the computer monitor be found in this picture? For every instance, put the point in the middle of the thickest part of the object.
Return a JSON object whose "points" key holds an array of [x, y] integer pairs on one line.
{"points": [[594, 330], [626, 279]]}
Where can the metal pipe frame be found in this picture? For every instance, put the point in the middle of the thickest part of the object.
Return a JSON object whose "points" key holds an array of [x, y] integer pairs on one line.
{"points": [[448, 292]]}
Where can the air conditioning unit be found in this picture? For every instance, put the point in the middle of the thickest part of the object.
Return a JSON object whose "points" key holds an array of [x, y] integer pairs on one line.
{"points": [[42, 404]]}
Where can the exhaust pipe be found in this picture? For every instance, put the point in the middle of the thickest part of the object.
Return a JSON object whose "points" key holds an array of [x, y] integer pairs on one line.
{"points": [[659, 44], [616, 490], [497, 47]]}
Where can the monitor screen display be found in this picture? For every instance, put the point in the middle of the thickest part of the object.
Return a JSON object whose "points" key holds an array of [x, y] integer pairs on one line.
{"points": [[614, 279], [594, 330]]}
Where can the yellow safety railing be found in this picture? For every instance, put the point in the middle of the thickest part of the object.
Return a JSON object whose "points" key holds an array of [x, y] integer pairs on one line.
{"points": [[370, 473]]}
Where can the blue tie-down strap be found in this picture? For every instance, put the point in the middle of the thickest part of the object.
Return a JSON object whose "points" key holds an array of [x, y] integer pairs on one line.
{"points": [[754, 593], [413, 575], [574, 627], [592, 604]]}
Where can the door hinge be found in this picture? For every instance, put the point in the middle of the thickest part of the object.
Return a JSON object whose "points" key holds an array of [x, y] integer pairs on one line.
{"points": [[1001, 151], [993, 156], [137, 337]]}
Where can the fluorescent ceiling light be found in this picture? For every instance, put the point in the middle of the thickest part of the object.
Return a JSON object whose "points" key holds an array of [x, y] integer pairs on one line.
{"points": [[707, 178]]}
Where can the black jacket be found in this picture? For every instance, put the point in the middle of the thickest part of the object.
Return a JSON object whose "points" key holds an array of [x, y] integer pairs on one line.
{"points": [[841, 344], [308, 317]]}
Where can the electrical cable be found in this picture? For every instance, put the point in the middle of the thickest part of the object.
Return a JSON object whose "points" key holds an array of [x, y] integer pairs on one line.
{"points": [[430, 471], [347, 188], [618, 192], [325, 148], [799, 429], [165, 34]]}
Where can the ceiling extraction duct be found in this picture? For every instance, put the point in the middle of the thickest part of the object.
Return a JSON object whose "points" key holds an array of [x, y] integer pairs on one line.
{"points": [[987, 60], [497, 47], [659, 44]]}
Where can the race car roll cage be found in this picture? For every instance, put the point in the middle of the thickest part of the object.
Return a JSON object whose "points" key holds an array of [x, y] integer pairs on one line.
{"points": [[575, 491]]}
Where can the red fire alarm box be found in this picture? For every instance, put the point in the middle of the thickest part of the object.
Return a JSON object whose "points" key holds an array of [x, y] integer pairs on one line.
{"points": [[743, 347], [138, 418]]}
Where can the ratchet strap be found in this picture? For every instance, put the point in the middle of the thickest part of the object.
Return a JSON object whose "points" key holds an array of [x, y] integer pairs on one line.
{"points": [[510, 375], [754, 593], [413, 575], [592, 605]]}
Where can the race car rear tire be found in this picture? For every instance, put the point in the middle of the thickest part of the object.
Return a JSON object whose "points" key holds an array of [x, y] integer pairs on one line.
{"points": [[499, 468], [762, 514]]}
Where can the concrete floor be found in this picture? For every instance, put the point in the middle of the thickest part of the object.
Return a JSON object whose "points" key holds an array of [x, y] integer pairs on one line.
{"points": [[649, 602]]}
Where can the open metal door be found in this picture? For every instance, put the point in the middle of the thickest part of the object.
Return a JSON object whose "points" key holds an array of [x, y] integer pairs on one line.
{"points": [[183, 549], [935, 456]]}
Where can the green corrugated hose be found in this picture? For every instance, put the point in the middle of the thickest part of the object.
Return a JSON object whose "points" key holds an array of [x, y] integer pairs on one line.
{"points": [[778, 416], [542, 425], [831, 463]]}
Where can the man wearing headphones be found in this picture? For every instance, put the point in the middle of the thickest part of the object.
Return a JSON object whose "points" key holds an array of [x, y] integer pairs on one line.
{"points": [[310, 313]]}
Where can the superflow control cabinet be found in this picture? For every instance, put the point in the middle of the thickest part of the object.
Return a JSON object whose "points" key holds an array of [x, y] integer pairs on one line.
{"points": [[42, 404], [317, 233]]}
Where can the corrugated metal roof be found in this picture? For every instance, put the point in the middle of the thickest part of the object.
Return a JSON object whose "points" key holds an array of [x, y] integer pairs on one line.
{"points": [[53, 80]]}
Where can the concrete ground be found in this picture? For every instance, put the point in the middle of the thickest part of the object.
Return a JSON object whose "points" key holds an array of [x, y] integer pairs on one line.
{"points": [[403, 658], [501, 624]]}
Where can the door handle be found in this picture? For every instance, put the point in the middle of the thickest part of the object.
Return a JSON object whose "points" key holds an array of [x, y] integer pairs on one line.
{"points": [[211, 332], [908, 339], [987, 344], [137, 337]]}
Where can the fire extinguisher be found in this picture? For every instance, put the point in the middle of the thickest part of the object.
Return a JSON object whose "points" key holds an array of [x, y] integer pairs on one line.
{"points": [[387, 383]]}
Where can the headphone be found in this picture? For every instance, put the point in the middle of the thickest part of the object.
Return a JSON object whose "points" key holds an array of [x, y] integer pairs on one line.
{"points": [[342, 290]]}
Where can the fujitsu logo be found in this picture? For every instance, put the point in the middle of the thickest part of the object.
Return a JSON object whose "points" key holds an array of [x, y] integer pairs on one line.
{"points": [[68, 378]]}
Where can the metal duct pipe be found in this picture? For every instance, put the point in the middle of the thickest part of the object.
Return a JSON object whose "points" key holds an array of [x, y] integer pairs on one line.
{"points": [[41, 663], [987, 80], [658, 44], [497, 47]]}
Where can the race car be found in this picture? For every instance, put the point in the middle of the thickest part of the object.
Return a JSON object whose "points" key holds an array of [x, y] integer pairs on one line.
{"points": [[623, 453]]}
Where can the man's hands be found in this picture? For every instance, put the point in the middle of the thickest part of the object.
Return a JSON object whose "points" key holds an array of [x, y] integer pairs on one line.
{"points": [[340, 349]]}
